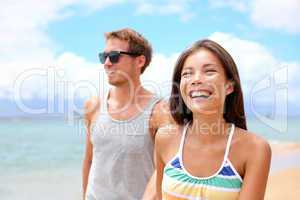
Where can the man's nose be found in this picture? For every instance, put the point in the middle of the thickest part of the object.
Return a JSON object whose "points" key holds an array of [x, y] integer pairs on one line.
{"points": [[107, 62]]}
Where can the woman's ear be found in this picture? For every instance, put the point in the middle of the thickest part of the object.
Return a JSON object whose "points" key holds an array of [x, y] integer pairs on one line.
{"points": [[229, 87]]}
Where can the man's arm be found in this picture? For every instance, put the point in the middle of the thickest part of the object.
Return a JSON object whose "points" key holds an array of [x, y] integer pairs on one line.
{"points": [[150, 191], [87, 162], [90, 110]]}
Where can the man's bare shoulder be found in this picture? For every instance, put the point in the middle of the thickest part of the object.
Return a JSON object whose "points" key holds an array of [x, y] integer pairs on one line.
{"points": [[168, 133], [161, 106], [160, 117], [91, 106], [161, 113]]}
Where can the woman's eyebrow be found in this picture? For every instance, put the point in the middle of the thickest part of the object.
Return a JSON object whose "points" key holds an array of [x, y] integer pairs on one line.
{"points": [[187, 68], [210, 65]]}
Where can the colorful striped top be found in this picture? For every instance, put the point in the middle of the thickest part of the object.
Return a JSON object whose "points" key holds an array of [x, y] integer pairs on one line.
{"points": [[179, 184]]}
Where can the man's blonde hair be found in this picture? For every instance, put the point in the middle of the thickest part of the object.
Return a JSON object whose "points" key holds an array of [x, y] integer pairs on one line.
{"points": [[137, 43]]}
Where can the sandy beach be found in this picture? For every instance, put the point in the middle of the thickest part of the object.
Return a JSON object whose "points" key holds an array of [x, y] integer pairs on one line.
{"points": [[284, 185], [284, 179]]}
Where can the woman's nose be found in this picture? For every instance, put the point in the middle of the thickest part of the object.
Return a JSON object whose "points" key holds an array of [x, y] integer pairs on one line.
{"points": [[198, 78]]}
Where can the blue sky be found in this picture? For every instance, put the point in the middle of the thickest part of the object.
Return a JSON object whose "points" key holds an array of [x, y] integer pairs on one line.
{"points": [[82, 33], [261, 35]]}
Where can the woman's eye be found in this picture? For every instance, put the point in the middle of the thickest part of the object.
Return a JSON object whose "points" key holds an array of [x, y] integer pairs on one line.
{"points": [[210, 71], [185, 73]]}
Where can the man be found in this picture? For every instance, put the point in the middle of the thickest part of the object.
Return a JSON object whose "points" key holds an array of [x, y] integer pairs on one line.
{"points": [[121, 127]]}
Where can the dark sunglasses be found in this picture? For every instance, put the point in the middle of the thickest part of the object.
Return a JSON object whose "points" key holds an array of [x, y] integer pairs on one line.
{"points": [[114, 56]]}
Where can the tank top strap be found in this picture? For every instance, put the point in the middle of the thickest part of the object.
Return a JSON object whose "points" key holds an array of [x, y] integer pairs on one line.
{"points": [[229, 141], [153, 101], [103, 102], [184, 131]]}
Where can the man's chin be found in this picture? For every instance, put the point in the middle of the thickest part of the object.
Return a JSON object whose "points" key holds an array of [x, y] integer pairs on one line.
{"points": [[115, 82]]}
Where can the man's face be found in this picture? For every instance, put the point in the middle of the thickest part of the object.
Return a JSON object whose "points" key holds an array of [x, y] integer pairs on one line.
{"points": [[123, 71]]}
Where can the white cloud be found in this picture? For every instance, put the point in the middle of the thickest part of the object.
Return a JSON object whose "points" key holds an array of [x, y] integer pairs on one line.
{"points": [[80, 76], [24, 42], [171, 7], [94, 5], [158, 75], [251, 57], [73, 74], [277, 14], [238, 5], [23, 26], [272, 14], [255, 63]]}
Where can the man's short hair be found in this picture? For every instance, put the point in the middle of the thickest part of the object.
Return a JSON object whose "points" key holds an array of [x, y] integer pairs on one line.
{"points": [[137, 43]]}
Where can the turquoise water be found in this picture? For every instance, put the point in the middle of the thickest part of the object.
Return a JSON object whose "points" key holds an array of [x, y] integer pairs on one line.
{"points": [[44, 157], [291, 134], [40, 159], [39, 144], [52, 144]]}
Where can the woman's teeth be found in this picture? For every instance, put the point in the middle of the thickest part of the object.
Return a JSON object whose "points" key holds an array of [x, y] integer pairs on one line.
{"points": [[201, 94]]}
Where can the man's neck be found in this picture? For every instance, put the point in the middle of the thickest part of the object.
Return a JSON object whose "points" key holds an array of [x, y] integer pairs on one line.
{"points": [[126, 94]]}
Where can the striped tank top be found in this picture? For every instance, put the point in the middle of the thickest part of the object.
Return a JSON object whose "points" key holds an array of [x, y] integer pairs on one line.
{"points": [[179, 184]]}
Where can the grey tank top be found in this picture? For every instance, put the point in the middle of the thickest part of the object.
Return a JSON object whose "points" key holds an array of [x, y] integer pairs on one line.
{"points": [[122, 156]]}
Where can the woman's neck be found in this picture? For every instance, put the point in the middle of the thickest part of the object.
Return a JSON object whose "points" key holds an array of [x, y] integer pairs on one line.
{"points": [[209, 127]]}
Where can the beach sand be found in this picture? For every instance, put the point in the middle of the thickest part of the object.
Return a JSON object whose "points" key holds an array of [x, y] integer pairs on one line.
{"points": [[64, 184], [284, 185], [284, 179]]}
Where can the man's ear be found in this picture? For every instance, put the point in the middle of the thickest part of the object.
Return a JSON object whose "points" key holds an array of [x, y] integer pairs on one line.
{"points": [[140, 60], [229, 87]]}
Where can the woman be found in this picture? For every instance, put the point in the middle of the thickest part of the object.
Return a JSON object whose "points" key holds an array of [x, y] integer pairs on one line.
{"points": [[209, 154]]}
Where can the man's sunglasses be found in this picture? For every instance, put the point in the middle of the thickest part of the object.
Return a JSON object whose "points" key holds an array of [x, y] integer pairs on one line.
{"points": [[114, 56]]}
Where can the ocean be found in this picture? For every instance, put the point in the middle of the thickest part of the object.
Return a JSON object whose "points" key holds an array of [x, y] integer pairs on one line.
{"points": [[42, 158]]}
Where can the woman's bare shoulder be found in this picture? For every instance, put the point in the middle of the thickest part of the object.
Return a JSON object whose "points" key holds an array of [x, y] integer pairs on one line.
{"points": [[252, 142], [250, 138]]}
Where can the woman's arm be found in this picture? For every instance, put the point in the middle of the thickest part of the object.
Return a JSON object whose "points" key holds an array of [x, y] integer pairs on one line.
{"points": [[159, 164], [256, 170]]}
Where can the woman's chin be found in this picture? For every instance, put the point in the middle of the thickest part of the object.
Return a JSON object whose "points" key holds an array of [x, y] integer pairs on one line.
{"points": [[203, 109]]}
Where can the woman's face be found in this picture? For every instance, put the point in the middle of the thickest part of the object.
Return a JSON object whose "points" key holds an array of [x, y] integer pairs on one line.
{"points": [[203, 84]]}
